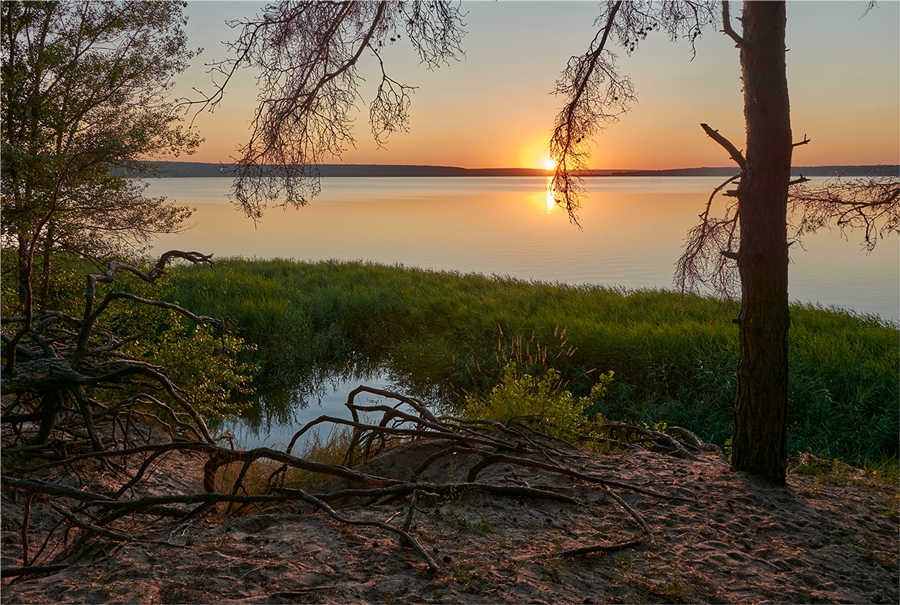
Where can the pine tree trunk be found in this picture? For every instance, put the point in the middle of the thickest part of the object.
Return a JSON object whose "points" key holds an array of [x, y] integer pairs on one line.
{"points": [[760, 409]]}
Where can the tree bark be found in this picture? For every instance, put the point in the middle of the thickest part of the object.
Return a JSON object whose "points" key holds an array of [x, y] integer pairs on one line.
{"points": [[760, 408], [44, 298]]}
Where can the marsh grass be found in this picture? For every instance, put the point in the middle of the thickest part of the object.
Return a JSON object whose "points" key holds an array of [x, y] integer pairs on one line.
{"points": [[329, 449], [254, 481], [446, 336]]}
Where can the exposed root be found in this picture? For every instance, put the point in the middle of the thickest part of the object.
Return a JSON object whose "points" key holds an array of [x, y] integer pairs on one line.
{"points": [[128, 514]]}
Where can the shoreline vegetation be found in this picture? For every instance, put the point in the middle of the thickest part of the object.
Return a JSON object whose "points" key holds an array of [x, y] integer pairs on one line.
{"points": [[201, 169], [497, 511], [449, 337]]}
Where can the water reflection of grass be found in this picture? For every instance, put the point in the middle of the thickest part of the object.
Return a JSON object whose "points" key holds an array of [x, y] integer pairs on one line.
{"points": [[444, 335]]}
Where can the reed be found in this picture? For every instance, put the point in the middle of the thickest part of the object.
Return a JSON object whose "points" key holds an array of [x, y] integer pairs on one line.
{"points": [[446, 336]]}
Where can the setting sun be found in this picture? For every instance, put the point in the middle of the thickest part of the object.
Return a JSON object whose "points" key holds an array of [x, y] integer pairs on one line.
{"points": [[549, 164]]}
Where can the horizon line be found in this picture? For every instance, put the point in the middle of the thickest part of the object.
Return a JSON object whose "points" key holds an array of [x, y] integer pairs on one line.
{"points": [[529, 168]]}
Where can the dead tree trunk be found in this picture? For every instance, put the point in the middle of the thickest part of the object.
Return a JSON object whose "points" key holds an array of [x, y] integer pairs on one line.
{"points": [[760, 408]]}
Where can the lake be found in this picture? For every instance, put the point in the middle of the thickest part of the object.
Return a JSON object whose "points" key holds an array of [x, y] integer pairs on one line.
{"points": [[632, 230]]}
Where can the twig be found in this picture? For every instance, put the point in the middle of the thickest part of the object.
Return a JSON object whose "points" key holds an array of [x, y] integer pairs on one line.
{"points": [[90, 527], [589, 550], [409, 540], [11, 572], [607, 483]]}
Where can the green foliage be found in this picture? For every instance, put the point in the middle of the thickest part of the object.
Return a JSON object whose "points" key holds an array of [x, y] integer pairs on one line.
{"points": [[85, 101], [204, 363], [540, 397], [214, 369], [674, 357]]}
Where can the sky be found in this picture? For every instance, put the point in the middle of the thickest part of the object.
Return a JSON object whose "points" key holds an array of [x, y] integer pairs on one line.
{"points": [[494, 108]]}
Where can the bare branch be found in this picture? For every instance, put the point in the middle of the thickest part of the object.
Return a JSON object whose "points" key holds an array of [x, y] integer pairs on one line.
{"points": [[872, 4], [736, 155], [389, 111], [488, 444], [592, 85], [90, 314], [726, 25], [597, 93], [308, 55], [870, 205], [707, 246]]}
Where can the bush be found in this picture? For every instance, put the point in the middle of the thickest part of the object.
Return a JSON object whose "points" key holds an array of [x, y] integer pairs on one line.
{"points": [[540, 399]]}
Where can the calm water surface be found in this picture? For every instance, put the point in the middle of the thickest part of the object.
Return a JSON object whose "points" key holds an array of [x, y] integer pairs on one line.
{"points": [[631, 234], [632, 230]]}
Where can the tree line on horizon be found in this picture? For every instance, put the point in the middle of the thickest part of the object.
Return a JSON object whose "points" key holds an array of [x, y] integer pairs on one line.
{"points": [[176, 169]]}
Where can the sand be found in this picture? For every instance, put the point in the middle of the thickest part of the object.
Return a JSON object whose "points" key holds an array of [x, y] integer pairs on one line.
{"points": [[828, 537]]}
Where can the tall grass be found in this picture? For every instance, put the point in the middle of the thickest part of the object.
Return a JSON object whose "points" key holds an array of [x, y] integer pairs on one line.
{"points": [[446, 335]]}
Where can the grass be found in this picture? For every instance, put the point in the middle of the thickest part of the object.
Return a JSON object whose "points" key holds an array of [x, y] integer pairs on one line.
{"points": [[446, 336]]}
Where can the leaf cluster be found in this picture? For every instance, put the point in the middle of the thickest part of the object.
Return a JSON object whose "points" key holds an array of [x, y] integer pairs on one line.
{"points": [[540, 399], [85, 100]]}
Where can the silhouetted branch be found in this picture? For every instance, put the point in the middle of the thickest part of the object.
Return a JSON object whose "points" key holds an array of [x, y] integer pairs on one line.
{"points": [[726, 25], [308, 55], [805, 141], [871, 205], [389, 111], [596, 92], [736, 155], [708, 245], [593, 87]]}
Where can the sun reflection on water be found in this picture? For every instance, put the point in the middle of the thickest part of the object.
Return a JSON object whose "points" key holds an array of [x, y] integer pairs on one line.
{"points": [[551, 199]]}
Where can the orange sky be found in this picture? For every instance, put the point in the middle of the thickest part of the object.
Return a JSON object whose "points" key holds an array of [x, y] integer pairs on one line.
{"points": [[493, 109]]}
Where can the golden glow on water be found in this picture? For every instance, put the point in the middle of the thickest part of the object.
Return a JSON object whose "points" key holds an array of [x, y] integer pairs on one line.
{"points": [[551, 199]]}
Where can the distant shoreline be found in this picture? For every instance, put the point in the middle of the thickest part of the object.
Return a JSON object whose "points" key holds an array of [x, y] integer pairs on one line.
{"points": [[200, 169]]}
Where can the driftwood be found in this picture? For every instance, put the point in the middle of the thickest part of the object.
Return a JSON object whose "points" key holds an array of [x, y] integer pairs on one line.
{"points": [[126, 514]]}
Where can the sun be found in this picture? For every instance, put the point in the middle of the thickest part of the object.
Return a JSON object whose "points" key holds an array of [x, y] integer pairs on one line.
{"points": [[549, 164]]}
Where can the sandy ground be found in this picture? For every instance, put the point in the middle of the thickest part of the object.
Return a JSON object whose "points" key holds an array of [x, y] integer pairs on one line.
{"points": [[820, 540]]}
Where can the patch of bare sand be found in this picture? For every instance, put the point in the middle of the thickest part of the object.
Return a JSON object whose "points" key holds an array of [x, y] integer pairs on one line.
{"points": [[738, 541]]}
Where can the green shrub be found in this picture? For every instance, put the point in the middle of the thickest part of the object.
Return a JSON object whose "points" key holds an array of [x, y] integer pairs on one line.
{"points": [[541, 399]]}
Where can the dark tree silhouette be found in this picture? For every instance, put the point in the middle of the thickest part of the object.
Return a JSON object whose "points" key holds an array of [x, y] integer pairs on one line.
{"points": [[308, 51], [754, 230]]}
